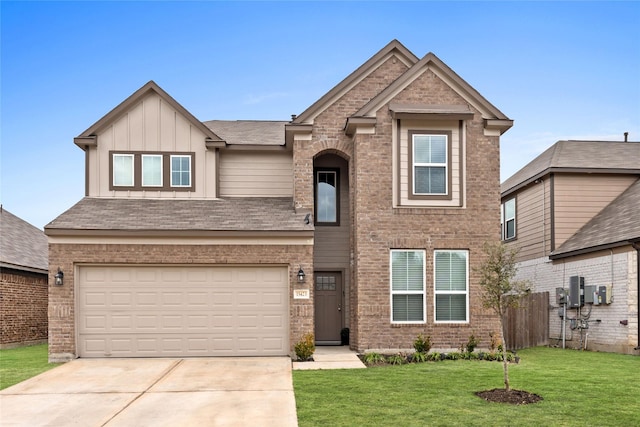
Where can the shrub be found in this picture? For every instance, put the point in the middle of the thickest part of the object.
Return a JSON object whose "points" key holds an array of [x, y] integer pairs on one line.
{"points": [[395, 359], [435, 356], [454, 356], [422, 344], [304, 348], [419, 357], [495, 341], [374, 358], [472, 343]]}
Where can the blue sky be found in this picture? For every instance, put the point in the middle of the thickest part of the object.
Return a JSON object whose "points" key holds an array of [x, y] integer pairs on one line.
{"points": [[561, 70]]}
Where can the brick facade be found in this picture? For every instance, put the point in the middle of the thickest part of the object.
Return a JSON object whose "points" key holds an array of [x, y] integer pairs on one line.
{"points": [[377, 227], [23, 308], [62, 344]]}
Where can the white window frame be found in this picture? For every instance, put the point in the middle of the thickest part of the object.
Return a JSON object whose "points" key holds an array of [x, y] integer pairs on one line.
{"points": [[423, 292], [445, 165], [437, 292], [504, 221], [133, 176], [145, 156], [190, 170]]}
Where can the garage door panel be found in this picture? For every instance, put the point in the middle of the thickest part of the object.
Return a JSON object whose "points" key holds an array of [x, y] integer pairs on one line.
{"points": [[136, 311]]}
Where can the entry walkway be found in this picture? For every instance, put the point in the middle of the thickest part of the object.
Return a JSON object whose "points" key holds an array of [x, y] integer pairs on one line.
{"points": [[331, 357]]}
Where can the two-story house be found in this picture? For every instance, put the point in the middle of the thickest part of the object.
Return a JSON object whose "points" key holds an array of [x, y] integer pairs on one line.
{"points": [[574, 214], [367, 211]]}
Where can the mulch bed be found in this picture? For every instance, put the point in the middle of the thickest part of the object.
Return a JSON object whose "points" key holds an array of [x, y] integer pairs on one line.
{"points": [[513, 397]]}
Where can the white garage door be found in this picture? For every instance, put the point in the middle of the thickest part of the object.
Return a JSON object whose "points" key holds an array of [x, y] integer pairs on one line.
{"points": [[141, 311]]}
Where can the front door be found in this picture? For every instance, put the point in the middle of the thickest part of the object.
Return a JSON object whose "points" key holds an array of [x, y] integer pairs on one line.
{"points": [[328, 307]]}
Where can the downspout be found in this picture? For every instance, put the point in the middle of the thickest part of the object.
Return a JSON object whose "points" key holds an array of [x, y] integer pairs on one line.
{"points": [[636, 246]]}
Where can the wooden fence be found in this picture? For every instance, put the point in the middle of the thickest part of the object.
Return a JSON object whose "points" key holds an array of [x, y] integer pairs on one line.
{"points": [[528, 325]]}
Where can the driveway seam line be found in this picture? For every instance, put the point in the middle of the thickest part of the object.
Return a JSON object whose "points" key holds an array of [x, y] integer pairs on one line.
{"points": [[143, 392]]}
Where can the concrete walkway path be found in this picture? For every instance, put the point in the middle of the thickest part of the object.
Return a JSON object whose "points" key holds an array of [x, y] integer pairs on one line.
{"points": [[155, 392], [331, 357]]}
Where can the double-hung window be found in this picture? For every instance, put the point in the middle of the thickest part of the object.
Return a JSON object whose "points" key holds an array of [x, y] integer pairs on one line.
{"points": [[123, 170], [152, 170], [180, 171], [451, 271], [408, 286], [508, 219], [429, 164], [156, 171]]}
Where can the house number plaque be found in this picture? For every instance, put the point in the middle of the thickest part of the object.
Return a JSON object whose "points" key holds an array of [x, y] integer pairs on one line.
{"points": [[301, 294]]}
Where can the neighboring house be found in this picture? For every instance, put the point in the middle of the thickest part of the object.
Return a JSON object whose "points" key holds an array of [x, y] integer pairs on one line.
{"points": [[367, 211], [575, 211], [23, 282]]}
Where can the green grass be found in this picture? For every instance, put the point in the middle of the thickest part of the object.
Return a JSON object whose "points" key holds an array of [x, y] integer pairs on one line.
{"points": [[578, 388], [19, 364]]}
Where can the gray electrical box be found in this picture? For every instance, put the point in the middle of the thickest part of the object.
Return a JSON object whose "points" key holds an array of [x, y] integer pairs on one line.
{"points": [[590, 295], [576, 292], [561, 296]]}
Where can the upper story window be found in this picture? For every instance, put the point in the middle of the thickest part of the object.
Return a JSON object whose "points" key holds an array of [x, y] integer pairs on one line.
{"points": [[451, 286], [327, 203], [123, 170], [429, 164], [408, 286], [508, 219], [181, 171], [151, 171]]}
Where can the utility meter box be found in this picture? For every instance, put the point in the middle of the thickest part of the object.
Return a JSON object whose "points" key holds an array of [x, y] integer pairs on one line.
{"points": [[603, 294], [576, 292], [561, 296], [591, 295]]}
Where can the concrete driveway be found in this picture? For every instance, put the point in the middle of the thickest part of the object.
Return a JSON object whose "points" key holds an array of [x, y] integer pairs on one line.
{"points": [[155, 392]]}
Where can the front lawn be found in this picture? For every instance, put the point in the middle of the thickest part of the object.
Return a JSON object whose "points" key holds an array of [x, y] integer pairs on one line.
{"points": [[19, 364], [578, 389]]}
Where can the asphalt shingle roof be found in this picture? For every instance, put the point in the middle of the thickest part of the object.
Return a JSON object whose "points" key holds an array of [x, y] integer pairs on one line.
{"points": [[241, 214], [617, 223], [22, 244], [568, 155], [248, 132]]}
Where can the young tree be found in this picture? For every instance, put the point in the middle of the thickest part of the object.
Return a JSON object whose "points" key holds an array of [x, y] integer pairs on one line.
{"points": [[500, 290]]}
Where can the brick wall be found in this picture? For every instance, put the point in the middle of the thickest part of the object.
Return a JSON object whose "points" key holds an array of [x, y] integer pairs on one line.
{"points": [[602, 268], [376, 227], [23, 307], [62, 345]]}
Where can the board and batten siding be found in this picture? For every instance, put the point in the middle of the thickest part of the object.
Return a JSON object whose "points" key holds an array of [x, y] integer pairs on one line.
{"points": [[579, 197], [256, 174], [151, 126], [403, 152]]}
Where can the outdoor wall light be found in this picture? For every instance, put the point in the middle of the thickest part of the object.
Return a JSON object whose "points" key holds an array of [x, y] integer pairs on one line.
{"points": [[59, 277], [301, 275]]}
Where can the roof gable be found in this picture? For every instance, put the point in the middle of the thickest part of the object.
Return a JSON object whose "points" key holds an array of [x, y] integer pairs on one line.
{"points": [[394, 48], [447, 75], [576, 156], [615, 225], [88, 136]]}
